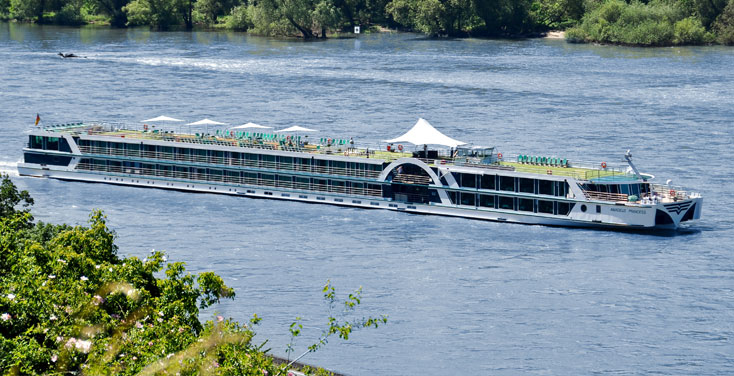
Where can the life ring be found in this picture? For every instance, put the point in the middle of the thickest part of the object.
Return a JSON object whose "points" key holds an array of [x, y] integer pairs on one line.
{"points": [[604, 165], [145, 127], [499, 155], [672, 193], [549, 172], [400, 147]]}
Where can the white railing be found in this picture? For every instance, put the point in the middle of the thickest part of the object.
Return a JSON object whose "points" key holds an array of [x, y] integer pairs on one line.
{"points": [[161, 156]]}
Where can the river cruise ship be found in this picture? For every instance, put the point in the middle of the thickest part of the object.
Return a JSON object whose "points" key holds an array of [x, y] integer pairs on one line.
{"points": [[452, 180]]}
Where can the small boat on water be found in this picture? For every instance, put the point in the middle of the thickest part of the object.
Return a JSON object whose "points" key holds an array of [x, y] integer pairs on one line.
{"points": [[440, 176]]}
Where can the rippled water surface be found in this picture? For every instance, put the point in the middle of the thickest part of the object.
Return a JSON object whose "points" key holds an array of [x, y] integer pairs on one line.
{"points": [[463, 296]]}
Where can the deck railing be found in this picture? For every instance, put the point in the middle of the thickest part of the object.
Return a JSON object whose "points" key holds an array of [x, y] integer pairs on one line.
{"points": [[670, 192], [162, 156], [604, 196], [217, 178]]}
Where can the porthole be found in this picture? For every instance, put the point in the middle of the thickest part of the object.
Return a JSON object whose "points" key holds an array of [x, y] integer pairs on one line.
{"points": [[583, 208]]}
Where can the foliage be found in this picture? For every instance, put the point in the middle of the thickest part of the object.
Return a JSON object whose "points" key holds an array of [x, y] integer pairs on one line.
{"points": [[724, 25], [70, 304], [27, 9], [336, 322], [212, 9], [652, 24], [239, 19], [113, 8], [557, 14], [11, 198], [70, 14]]}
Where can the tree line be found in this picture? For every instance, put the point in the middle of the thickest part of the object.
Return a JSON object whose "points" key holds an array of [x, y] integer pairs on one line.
{"points": [[653, 22]]}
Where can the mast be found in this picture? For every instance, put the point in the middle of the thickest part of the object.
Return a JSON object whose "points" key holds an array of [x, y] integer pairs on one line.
{"points": [[628, 157]]}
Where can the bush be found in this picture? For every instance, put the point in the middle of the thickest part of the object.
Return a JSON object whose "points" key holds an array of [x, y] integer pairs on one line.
{"points": [[70, 14], [652, 24], [239, 19], [690, 31]]}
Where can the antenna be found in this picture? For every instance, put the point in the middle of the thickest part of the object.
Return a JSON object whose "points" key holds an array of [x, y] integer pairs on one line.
{"points": [[628, 157]]}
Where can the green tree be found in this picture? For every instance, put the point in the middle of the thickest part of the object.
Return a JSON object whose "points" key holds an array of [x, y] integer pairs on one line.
{"points": [[11, 198], [504, 16], [709, 10], [287, 17], [212, 9], [113, 8], [28, 9], [159, 14], [724, 25], [70, 305]]}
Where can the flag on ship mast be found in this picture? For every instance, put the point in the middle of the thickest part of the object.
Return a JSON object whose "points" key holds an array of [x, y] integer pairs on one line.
{"points": [[38, 119]]}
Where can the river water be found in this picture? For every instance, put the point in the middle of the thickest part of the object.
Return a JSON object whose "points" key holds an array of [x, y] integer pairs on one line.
{"points": [[463, 296]]}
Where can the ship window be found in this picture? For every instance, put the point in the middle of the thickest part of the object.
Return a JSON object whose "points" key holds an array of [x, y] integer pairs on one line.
{"points": [[561, 188], [285, 181], [486, 200], [468, 180], [624, 189], [267, 179], [301, 183], [598, 208], [268, 158], [635, 189], [319, 184], [505, 202], [35, 142], [526, 185], [468, 199], [545, 187], [487, 181], [545, 206], [52, 143], [525, 204], [46, 159], [507, 183], [564, 208], [64, 145], [614, 188]]}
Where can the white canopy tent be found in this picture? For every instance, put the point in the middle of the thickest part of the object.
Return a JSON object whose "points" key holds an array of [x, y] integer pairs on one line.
{"points": [[206, 122], [160, 118], [250, 125], [296, 128], [423, 133]]}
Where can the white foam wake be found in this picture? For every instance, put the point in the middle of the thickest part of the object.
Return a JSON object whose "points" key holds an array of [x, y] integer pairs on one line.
{"points": [[9, 168]]}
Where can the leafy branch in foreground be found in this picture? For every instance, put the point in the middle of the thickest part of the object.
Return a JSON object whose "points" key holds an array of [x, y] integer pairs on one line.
{"points": [[70, 305], [336, 323]]}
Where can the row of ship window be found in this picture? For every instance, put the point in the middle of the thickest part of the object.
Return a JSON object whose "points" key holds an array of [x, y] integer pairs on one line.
{"points": [[510, 203], [49, 143], [510, 184], [217, 156], [232, 176]]}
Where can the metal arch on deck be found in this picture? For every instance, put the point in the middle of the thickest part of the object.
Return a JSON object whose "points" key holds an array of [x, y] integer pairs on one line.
{"points": [[436, 180]]}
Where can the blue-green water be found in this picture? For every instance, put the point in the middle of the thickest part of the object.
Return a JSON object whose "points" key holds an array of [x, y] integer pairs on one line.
{"points": [[464, 297]]}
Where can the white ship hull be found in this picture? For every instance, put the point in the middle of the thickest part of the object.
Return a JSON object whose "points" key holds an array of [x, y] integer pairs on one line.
{"points": [[591, 214]]}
